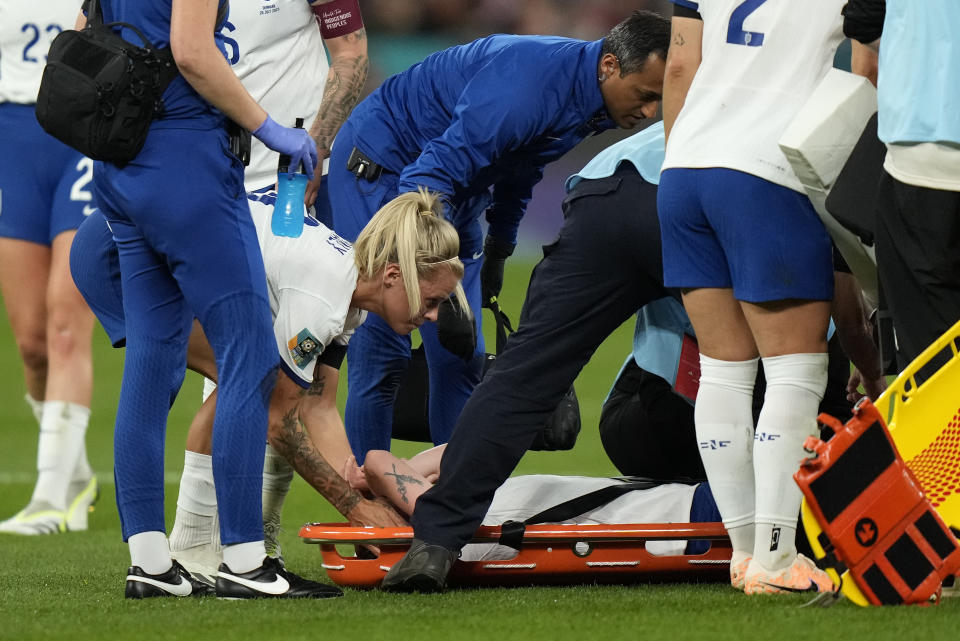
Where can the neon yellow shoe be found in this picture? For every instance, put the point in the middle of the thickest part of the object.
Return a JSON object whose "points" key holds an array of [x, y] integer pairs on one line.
{"points": [[738, 569], [81, 498], [800, 576], [36, 519]]}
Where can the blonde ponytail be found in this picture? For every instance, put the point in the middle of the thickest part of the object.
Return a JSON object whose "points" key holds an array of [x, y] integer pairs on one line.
{"points": [[410, 231]]}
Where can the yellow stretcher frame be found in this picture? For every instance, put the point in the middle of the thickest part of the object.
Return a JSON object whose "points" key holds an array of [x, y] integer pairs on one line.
{"points": [[922, 410]]}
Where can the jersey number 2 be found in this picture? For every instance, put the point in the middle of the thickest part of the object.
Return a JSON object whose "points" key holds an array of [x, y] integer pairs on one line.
{"points": [[735, 33]]}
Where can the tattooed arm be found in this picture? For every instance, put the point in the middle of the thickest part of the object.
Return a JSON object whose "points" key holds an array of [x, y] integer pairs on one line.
{"points": [[349, 65], [683, 60], [427, 462], [299, 416], [394, 479]]}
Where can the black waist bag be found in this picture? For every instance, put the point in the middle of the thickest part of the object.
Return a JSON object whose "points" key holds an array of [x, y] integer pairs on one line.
{"points": [[99, 93]]}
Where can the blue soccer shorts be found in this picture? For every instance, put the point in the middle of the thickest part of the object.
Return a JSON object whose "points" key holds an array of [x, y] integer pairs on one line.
{"points": [[45, 186], [728, 229]]}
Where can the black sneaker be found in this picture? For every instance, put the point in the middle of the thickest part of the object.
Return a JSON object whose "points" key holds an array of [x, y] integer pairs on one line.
{"points": [[270, 580], [424, 568], [174, 582]]}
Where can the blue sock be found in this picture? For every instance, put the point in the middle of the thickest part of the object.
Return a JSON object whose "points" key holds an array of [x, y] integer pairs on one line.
{"points": [[702, 510]]}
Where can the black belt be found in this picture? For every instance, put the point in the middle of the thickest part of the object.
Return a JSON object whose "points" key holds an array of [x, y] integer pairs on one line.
{"points": [[362, 166]]}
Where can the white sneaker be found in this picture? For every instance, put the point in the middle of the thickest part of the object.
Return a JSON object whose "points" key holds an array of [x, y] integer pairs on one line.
{"points": [[81, 497], [37, 518], [738, 569], [201, 561], [800, 576]]}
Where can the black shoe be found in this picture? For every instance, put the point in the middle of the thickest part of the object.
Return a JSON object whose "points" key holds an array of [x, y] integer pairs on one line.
{"points": [[174, 582], [270, 580], [424, 568]]}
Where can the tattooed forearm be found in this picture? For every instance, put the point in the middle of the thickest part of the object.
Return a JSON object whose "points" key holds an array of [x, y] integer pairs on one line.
{"points": [[401, 479], [679, 40], [347, 75], [294, 444]]}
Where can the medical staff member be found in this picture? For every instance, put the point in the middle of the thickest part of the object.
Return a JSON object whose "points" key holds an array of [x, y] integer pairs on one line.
{"points": [[918, 214], [188, 248], [475, 123], [280, 56]]}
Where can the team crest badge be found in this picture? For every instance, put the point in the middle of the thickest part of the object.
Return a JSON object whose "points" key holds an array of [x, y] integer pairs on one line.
{"points": [[303, 348]]}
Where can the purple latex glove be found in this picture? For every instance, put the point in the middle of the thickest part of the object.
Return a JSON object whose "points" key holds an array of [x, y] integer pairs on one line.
{"points": [[293, 142]]}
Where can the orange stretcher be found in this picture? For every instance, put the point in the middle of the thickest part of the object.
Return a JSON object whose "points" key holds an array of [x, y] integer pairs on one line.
{"points": [[549, 555]]}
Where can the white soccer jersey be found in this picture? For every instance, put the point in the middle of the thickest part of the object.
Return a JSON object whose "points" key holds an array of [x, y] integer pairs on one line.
{"points": [[520, 497], [761, 60], [26, 31], [276, 49], [310, 281]]}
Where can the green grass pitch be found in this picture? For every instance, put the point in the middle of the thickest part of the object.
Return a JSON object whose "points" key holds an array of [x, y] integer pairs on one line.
{"points": [[70, 586]]}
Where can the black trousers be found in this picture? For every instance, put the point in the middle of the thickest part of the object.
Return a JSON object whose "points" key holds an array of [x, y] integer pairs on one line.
{"points": [[648, 430], [918, 262], [605, 265]]}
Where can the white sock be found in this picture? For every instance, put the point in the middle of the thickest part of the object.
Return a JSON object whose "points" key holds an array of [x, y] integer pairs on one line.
{"points": [[795, 385], [208, 387], [277, 475], [724, 424], [196, 521], [243, 557], [63, 428], [82, 471], [149, 552], [35, 406]]}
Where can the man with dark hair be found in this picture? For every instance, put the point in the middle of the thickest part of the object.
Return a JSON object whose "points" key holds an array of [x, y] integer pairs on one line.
{"points": [[476, 123], [634, 40]]}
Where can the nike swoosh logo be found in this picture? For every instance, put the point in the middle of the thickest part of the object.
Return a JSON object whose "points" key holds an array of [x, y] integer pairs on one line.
{"points": [[478, 254], [813, 587], [87, 210], [279, 584], [179, 589]]}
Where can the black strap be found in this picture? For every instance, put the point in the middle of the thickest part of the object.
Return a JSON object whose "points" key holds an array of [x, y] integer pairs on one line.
{"points": [[503, 324], [94, 13], [511, 532]]}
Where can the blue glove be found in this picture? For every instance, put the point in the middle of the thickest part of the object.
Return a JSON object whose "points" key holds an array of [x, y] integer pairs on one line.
{"points": [[291, 141]]}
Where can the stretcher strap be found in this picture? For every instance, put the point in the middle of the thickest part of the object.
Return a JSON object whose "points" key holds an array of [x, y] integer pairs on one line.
{"points": [[511, 532]]}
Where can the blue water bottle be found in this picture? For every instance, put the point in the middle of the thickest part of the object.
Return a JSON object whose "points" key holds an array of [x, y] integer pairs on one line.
{"points": [[288, 212]]}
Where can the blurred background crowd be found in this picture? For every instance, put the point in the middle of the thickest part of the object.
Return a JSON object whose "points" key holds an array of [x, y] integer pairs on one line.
{"points": [[405, 31]]}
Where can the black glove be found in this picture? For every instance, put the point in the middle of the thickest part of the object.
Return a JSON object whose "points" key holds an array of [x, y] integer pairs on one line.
{"points": [[456, 330], [495, 254]]}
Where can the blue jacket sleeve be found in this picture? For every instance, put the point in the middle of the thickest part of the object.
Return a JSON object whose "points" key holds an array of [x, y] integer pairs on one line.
{"points": [[491, 118], [510, 198]]}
